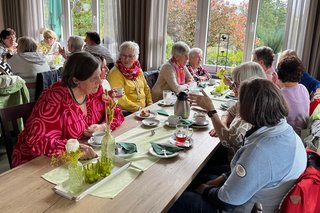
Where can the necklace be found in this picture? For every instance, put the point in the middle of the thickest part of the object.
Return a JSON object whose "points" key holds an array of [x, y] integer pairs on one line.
{"points": [[74, 98]]}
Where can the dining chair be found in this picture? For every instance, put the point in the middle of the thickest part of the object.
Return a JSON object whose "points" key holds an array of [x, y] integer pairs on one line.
{"points": [[46, 79], [12, 124], [257, 208], [151, 77]]}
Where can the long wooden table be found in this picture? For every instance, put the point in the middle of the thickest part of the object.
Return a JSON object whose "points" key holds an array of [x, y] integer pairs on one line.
{"points": [[155, 190]]}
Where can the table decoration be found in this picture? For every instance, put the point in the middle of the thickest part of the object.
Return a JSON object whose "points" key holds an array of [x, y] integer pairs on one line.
{"points": [[221, 87], [108, 144], [71, 157]]}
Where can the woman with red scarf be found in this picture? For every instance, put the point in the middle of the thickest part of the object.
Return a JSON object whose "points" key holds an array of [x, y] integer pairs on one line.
{"points": [[128, 74], [174, 74]]}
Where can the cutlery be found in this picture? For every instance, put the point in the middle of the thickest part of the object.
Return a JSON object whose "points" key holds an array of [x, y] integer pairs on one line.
{"points": [[164, 152]]}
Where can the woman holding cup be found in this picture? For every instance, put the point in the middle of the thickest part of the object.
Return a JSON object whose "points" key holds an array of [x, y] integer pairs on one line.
{"points": [[127, 80]]}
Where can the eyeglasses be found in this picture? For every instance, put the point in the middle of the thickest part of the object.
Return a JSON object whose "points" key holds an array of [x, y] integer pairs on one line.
{"points": [[127, 56], [234, 85]]}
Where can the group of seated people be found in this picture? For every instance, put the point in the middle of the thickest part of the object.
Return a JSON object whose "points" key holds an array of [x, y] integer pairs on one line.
{"points": [[259, 131]]}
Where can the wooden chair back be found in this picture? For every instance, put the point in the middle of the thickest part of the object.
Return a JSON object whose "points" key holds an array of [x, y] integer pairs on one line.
{"points": [[11, 124]]}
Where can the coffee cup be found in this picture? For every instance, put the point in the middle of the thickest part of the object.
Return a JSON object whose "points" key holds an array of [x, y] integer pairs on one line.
{"points": [[173, 120], [212, 81], [199, 118], [97, 137], [118, 92]]}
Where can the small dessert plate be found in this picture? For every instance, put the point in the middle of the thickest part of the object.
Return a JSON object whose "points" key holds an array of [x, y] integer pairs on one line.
{"points": [[152, 115], [152, 122], [187, 144]]}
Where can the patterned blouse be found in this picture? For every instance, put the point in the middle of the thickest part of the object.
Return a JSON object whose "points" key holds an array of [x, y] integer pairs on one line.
{"points": [[56, 118], [199, 74]]}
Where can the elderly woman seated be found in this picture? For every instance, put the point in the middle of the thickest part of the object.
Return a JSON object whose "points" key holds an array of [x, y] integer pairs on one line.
{"points": [[7, 42], [290, 70], [27, 63], [75, 44], [128, 74], [174, 74], [194, 65], [264, 168], [72, 108], [49, 46]]}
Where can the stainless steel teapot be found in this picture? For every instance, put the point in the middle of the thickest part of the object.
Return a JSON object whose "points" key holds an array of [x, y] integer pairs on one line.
{"points": [[182, 106]]}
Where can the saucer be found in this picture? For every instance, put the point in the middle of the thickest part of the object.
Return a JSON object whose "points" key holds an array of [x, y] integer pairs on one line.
{"points": [[161, 103], [200, 126], [152, 122], [188, 143], [93, 144], [169, 125]]}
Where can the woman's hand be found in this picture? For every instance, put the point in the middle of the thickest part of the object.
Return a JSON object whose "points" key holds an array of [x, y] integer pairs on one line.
{"points": [[216, 182], [201, 188], [213, 133], [94, 128], [88, 152], [202, 101]]}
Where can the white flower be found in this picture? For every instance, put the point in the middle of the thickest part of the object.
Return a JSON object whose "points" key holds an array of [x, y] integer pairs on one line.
{"points": [[72, 145]]}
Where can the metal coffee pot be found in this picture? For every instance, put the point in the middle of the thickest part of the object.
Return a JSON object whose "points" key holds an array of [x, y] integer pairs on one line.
{"points": [[182, 106]]}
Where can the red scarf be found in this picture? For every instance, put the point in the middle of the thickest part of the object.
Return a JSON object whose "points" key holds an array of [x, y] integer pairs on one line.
{"points": [[129, 73], [181, 78]]}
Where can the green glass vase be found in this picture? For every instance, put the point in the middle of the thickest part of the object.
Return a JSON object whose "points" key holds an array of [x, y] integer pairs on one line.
{"points": [[76, 177], [106, 162]]}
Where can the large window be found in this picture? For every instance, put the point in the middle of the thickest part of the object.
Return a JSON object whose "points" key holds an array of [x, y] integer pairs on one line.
{"points": [[226, 30]]}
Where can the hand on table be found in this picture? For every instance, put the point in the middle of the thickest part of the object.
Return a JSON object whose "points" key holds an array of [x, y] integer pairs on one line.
{"points": [[88, 152], [213, 133], [202, 101], [94, 128]]}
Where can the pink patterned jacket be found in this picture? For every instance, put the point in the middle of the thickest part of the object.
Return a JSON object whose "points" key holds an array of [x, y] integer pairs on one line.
{"points": [[55, 119]]}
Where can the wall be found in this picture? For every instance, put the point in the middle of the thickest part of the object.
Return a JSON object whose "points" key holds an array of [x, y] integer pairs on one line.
{"points": [[1, 17]]}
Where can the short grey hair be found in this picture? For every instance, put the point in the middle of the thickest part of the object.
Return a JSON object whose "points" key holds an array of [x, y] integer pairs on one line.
{"points": [[76, 42], [247, 70], [195, 52], [180, 48], [130, 45], [26, 44]]}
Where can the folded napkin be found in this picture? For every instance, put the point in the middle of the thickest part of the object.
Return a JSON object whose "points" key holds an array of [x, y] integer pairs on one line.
{"points": [[158, 148], [232, 97], [162, 112], [202, 85], [186, 122], [127, 148]]}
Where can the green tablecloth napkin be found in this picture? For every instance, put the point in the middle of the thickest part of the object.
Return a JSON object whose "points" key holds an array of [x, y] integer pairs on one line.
{"points": [[142, 159], [202, 85], [159, 149], [186, 122], [162, 112], [128, 148]]}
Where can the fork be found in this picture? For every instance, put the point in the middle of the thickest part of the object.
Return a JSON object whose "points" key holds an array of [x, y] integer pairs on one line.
{"points": [[164, 152]]}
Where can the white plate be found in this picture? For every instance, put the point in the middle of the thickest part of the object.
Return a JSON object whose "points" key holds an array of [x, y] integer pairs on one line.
{"points": [[152, 152], [151, 122], [187, 144], [169, 125], [200, 126], [152, 114], [123, 155], [93, 144], [161, 103]]}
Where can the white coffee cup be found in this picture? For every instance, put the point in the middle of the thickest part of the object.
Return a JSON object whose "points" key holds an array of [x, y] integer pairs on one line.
{"points": [[118, 92], [212, 81], [167, 97], [199, 118], [173, 120], [97, 137]]}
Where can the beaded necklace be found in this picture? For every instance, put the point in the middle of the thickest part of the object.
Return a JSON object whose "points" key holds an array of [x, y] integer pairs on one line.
{"points": [[74, 98]]}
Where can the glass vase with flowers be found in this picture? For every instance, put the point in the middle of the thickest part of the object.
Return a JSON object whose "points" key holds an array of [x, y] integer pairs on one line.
{"points": [[219, 89], [106, 162]]}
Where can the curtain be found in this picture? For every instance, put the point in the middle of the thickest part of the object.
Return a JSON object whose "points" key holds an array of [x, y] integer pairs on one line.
{"points": [[32, 21], [311, 50], [141, 21], [11, 15]]}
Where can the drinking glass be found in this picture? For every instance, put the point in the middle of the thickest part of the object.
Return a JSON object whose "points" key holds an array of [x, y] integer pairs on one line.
{"points": [[91, 172], [182, 133]]}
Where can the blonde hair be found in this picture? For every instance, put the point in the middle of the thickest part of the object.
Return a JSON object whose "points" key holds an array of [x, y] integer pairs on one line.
{"points": [[50, 33]]}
